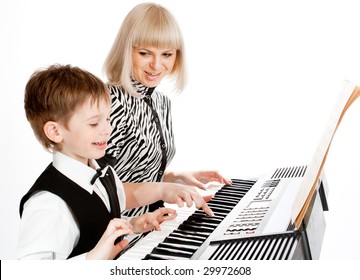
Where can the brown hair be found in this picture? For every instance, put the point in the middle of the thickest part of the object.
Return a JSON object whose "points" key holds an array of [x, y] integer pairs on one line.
{"points": [[53, 94]]}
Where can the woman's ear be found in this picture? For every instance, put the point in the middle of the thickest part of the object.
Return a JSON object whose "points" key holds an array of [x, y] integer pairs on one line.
{"points": [[52, 131]]}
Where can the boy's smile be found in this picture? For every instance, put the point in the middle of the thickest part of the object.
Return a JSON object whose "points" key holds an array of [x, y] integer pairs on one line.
{"points": [[87, 132]]}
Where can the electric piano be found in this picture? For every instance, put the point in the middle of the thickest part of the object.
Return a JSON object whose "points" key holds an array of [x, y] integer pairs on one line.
{"points": [[252, 221]]}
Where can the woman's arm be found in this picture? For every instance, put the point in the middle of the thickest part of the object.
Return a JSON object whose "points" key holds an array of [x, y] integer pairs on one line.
{"points": [[140, 194]]}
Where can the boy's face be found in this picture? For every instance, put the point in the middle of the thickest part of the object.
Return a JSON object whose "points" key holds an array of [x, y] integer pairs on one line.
{"points": [[88, 132]]}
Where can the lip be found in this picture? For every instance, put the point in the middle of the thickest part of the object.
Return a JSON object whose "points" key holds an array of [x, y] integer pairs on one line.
{"points": [[100, 144], [151, 76]]}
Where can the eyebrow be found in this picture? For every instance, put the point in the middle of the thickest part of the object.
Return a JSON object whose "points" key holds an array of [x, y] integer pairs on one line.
{"points": [[96, 116], [145, 49]]}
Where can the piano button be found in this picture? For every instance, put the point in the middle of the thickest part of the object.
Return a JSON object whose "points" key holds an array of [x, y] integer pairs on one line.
{"points": [[180, 248], [232, 193], [198, 226], [226, 197], [182, 241], [191, 234], [235, 190], [171, 252], [179, 240], [155, 257], [217, 214], [223, 201], [204, 220], [220, 205], [194, 229], [218, 209], [205, 217]]}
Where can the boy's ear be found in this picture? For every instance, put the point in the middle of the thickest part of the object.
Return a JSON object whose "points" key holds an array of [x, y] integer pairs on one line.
{"points": [[52, 131]]}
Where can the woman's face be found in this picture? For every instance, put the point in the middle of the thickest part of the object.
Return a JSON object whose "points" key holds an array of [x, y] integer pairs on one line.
{"points": [[150, 65]]}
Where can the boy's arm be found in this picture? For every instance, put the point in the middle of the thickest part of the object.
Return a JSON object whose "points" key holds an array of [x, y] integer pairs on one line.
{"points": [[45, 214], [140, 194]]}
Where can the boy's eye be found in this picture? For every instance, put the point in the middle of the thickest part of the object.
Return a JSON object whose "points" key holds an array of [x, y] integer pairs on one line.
{"points": [[93, 124]]}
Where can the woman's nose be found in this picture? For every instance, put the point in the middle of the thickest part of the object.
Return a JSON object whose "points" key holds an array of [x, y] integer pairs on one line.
{"points": [[155, 63]]}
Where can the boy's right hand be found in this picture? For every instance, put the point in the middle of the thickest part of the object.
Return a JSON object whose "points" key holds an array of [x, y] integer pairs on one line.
{"points": [[105, 249]]}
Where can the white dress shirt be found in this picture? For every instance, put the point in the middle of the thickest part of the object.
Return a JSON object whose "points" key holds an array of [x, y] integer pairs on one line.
{"points": [[48, 229]]}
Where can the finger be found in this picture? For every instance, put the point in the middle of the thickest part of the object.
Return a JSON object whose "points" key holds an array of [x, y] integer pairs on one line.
{"points": [[188, 198], [180, 202], [121, 232], [200, 203], [217, 177], [168, 218], [165, 210], [120, 223], [121, 246], [167, 215], [199, 185], [207, 198], [227, 181], [155, 224]]}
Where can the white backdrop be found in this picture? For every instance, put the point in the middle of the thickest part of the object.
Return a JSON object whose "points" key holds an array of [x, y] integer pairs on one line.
{"points": [[264, 76]]}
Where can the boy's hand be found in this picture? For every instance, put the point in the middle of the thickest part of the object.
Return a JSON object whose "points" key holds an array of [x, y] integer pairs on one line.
{"points": [[152, 220], [105, 249]]}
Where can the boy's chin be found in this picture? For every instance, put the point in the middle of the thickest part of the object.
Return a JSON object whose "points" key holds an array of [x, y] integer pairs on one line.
{"points": [[99, 155]]}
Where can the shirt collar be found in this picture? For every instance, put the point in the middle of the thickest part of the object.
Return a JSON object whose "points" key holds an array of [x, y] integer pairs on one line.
{"points": [[76, 171]]}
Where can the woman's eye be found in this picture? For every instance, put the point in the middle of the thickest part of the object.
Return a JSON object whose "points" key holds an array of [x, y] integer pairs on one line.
{"points": [[93, 124], [143, 53], [167, 54]]}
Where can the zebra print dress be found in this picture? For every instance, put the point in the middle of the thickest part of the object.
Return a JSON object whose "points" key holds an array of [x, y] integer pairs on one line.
{"points": [[142, 140]]}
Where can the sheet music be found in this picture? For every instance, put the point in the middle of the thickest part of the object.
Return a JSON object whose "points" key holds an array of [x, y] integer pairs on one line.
{"points": [[348, 95]]}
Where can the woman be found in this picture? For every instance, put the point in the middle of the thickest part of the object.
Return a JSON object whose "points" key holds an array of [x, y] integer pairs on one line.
{"points": [[148, 49]]}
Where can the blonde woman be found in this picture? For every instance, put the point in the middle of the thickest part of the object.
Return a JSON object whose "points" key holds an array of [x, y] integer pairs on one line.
{"points": [[148, 48]]}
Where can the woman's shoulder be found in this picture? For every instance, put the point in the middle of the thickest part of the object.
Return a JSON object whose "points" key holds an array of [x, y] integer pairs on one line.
{"points": [[161, 97], [117, 93], [114, 90]]}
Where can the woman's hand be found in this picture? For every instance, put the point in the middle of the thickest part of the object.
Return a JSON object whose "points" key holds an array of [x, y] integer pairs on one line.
{"points": [[197, 178], [152, 220], [105, 249], [179, 194]]}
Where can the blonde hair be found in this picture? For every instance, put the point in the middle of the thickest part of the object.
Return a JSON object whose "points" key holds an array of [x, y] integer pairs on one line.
{"points": [[53, 94], [147, 24]]}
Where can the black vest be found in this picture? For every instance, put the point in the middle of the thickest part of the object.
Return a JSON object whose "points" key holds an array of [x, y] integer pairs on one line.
{"points": [[89, 210]]}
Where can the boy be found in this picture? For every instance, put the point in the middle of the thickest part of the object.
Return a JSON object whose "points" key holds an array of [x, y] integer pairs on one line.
{"points": [[69, 212]]}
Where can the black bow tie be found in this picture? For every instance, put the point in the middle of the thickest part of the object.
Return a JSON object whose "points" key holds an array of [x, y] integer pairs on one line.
{"points": [[98, 173], [108, 181]]}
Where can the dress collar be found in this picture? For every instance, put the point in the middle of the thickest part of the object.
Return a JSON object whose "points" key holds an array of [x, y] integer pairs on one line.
{"points": [[141, 89]]}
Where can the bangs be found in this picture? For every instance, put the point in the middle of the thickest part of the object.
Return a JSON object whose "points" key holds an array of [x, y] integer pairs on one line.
{"points": [[158, 31]]}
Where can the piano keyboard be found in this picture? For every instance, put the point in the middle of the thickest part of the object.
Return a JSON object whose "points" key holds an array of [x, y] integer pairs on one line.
{"points": [[182, 237]]}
